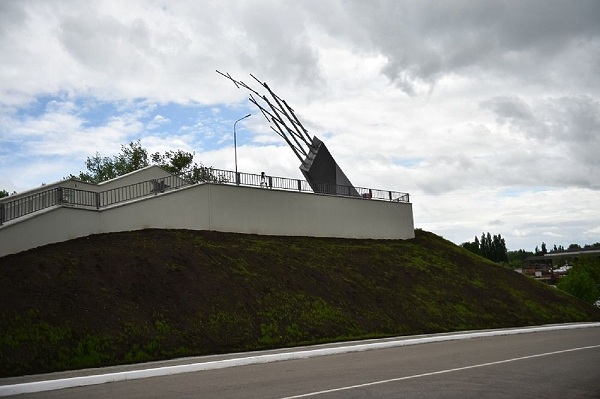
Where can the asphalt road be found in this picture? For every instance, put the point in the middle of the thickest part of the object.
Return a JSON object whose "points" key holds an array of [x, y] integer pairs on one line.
{"points": [[551, 364]]}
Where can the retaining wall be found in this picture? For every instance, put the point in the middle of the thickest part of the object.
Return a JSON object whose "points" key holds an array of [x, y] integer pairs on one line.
{"points": [[218, 207]]}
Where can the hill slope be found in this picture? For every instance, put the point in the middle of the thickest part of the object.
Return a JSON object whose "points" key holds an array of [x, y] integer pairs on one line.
{"points": [[152, 294]]}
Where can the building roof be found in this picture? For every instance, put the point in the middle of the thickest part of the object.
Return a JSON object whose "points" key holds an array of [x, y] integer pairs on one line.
{"points": [[583, 251], [564, 254]]}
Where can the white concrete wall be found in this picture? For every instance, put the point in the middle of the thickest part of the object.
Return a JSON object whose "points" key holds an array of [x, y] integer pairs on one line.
{"points": [[48, 226], [220, 208], [140, 175], [118, 189], [261, 211]]}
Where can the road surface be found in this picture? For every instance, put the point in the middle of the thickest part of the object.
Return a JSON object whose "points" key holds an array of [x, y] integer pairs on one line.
{"points": [[544, 364]]}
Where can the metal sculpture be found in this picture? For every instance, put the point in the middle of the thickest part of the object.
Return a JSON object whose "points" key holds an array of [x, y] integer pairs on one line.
{"points": [[317, 164]]}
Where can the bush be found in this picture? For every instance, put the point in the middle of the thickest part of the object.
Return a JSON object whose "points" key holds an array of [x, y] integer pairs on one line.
{"points": [[583, 280]]}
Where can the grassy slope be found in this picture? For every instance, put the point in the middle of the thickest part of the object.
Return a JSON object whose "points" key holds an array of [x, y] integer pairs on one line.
{"points": [[137, 296]]}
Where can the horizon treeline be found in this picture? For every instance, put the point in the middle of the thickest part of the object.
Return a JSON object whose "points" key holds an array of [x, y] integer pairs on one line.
{"points": [[488, 246], [493, 247]]}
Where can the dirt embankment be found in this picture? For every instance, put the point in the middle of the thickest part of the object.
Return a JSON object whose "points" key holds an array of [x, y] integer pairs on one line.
{"points": [[155, 294]]}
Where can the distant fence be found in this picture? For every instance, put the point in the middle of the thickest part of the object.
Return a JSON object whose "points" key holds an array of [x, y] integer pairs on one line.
{"points": [[65, 196], [285, 183]]}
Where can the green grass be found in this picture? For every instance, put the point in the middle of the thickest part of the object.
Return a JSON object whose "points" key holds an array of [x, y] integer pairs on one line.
{"points": [[158, 294]]}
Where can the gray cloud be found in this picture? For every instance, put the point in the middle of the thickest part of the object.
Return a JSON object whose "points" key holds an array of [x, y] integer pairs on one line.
{"points": [[279, 45], [509, 109], [12, 14], [458, 102], [96, 40], [426, 40], [562, 134]]}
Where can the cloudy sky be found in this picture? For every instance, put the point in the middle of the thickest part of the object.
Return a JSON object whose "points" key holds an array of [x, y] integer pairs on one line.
{"points": [[487, 113]]}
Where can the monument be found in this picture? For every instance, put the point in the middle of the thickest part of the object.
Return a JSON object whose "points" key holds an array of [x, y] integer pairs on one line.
{"points": [[317, 164]]}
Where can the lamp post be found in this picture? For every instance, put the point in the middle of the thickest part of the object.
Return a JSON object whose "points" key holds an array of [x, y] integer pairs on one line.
{"points": [[237, 179]]}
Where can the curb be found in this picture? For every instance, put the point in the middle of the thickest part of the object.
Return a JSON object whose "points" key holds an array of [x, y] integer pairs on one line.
{"points": [[49, 385]]}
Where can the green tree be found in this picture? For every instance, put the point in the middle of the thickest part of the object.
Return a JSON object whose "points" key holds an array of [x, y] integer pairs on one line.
{"points": [[133, 157], [3, 193], [518, 255], [583, 280], [175, 162], [471, 246], [484, 246], [182, 163], [499, 252], [490, 247], [515, 258]]}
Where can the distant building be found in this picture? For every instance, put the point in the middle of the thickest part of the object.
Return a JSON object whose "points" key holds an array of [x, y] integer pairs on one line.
{"points": [[551, 267]]}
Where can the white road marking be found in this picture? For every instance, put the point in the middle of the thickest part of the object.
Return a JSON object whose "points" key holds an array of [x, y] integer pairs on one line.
{"points": [[346, 388], [53, 384]]}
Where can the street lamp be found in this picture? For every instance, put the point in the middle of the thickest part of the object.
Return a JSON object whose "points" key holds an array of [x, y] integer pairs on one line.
{"points": [[237, 180]]}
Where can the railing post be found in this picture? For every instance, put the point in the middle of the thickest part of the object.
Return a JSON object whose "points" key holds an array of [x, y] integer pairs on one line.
{"points": [[299, 185], [97, 200], [237, 178], [2, 216], [59, 191], [390, 194]]}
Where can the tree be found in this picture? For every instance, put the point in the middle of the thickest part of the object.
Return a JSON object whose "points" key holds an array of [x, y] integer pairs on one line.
{"points": [[499, 249], [484, 246], [182, 163], [471, 246], [543, 251], [515, 258], [490, 247], [174, 162], [133, 157], [518, 255], [583, 280], [4, 193]]}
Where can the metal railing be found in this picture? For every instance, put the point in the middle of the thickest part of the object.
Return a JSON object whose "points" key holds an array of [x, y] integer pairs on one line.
{"points": [[23, 206], [65, 196], [284, 183]]}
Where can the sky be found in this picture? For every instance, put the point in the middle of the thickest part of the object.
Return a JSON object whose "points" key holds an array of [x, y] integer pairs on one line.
{"points": [[487, 112]]}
